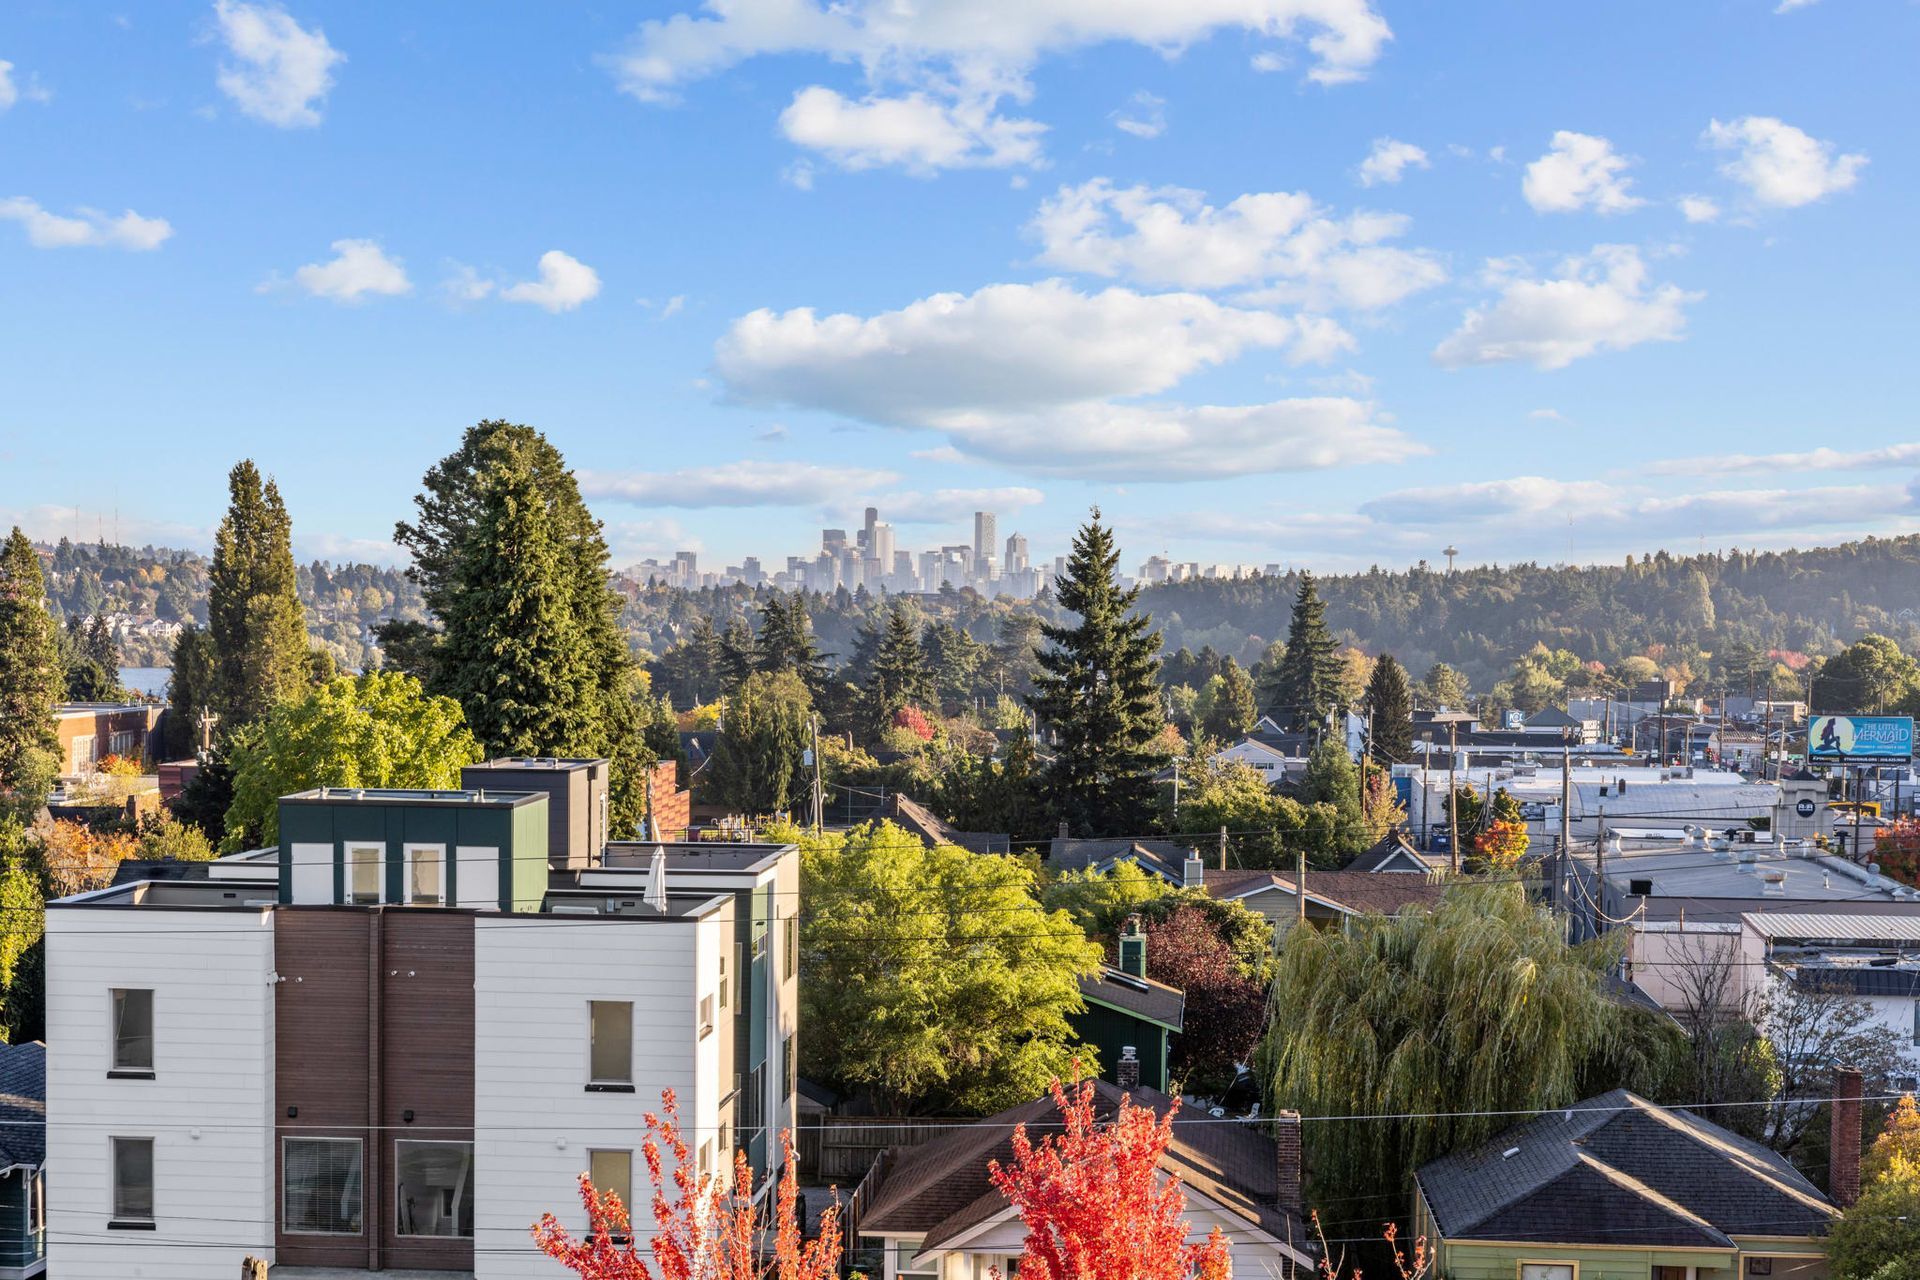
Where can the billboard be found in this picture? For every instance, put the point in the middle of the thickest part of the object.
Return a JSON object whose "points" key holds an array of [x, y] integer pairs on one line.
{"points": [[1860, 738]]}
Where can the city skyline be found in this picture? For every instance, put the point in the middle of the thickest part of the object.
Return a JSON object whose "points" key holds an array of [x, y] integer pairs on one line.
{"points": [[1264, 285]]}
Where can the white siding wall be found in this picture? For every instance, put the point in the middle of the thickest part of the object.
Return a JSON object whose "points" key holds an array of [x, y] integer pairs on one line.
{"points": [[534, 1119], [209, 1108]]}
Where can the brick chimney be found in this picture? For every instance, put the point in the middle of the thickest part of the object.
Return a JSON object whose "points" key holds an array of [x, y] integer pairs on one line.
{"points": [[1286, 1161], [1126, 1072], [1843, 1157]]}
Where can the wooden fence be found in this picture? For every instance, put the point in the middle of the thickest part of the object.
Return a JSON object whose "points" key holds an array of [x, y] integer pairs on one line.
{"points": [[841, 1149]]}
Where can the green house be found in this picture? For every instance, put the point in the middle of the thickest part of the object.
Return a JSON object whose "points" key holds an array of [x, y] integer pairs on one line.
{"points": [[1616, 1188], [368, 847], [1127, 1012]]}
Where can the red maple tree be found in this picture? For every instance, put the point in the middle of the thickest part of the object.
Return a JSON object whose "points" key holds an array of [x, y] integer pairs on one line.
{"points": [[705, 1230], [1095, 1203]]}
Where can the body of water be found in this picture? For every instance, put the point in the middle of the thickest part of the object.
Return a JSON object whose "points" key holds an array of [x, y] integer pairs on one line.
{"points": [[151, 680]]}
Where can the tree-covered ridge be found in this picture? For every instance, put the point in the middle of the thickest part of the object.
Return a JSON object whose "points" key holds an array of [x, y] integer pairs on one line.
{"points": [[147, 585]]}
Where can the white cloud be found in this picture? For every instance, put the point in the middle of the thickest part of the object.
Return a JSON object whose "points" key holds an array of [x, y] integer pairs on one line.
{"points": [[958, 62], [8, 93], [280, 71], [87, 228], [1699, 209], [1788, 6], [1822, 459], [466, 284], [565, 282], [673, 306], [1161, 442], [357, 269], [1600, 302], [1780, 165], [1283, 241], [1389, 159], [748, 483], [1040, 377], [1580, 171], [1547, 415], [915, 131], [1144, 117]]}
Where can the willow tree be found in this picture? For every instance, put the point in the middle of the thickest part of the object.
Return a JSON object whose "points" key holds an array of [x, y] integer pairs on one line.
{"points": [[1439, 1029]]}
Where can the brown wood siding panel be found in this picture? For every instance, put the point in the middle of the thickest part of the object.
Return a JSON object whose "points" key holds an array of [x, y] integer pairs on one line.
{"points": [[419, 986], [427, 1029], [320, 1054]]}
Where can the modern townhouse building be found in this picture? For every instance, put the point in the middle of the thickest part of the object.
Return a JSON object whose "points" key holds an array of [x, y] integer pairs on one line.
{"points": [[394, 1041]]}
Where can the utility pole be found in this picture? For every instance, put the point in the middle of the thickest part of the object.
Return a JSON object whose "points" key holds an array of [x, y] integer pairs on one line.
{"points": [[1453, 799], [1366, 762], [1300, 886], [1426, 831], [207, 720], [819, 794], [1599, 896], [1223, 847], [1566, 828]]}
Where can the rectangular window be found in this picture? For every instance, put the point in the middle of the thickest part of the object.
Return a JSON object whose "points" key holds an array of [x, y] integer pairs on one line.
{"points": [[133, 1031], [320, 1181], [906, 1261], [366, 873], [706, 1016], [612, 1171], [704, 1162], [424, 874], [759, 943], [1549, 1271], [790, 1064], [793, 947], [1670, 1273], [433, 1188], [610, 1043], [754, 1100], [132, 1181], [723, 984]]}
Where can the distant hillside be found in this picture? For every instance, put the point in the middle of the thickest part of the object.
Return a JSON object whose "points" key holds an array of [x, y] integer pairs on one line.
{"points": [[151, 590]]}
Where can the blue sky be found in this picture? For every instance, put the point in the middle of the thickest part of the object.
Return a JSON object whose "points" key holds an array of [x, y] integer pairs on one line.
{"points": [[1320, 282]]}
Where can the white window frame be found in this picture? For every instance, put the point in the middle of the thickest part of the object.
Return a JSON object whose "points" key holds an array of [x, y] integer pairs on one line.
{"points": [[900, 1251], [350, 847], [85, 753], [360, 1148], [413, 850], [596, 1084], [117, 1068], [1520, 1266], [114, 1217]]}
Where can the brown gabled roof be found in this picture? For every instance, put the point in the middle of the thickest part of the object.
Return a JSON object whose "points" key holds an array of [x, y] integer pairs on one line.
{"points": [[934, 831], [1359, 892], [1144, 998], [941, 1189]]}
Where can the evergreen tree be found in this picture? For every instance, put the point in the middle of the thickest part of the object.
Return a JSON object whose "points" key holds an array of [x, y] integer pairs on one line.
{"points": [[189, 692], [473, 502], [756, 766], [1231, 712], [1305, 688], [786, 640], [92, 661], [898, 676], [1096, 692], [30, 675], [954, 660], [739, 655], [254, 615], [1445, 687], [1390, 703]]}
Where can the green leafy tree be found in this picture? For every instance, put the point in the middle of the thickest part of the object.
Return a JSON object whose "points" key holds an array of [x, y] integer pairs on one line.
{"points": [[513, 565], [935, 982], [1878, 1237], [254, 615], [1332, 779], [22, 927], [1097, 692], [1100, 900], [92, 661], [1231, 712], [1872, 675], [1440, 1026], [1445, 687], [1305, 689], [164, 838], [1390, 708], [955, 661], [376, 730], [897, 676], [30, 676], [757, 765]]}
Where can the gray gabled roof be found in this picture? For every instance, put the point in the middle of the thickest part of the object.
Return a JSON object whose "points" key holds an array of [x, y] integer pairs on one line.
{"points": [[1619, 1170], [23, 1104], [1142, 998]]}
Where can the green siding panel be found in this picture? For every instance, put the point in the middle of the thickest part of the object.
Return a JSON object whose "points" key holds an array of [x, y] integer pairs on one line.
{"points": [[518, 832]]}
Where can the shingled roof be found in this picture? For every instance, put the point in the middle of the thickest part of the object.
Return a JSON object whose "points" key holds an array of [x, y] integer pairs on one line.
{"points": [[1618, 1170], [23, 1104], [1142, 997], [1359, 892], [939, 1190]]}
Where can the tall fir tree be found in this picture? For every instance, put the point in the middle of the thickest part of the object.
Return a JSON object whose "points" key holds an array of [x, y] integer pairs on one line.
{"points": [[469, 499], [1390, 707], [1304, 688], [898, 675], [254, 616], [189, 692], [30, 675], [1097, 692], [786, 640], [739, 654], [1232, 715]]}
